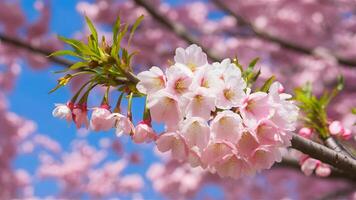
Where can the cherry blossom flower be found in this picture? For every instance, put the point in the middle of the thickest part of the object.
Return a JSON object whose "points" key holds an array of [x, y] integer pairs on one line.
{"points": [[255, 107], [178, 79], [192, 57], [164, 108], [227, 126], [151, 81], [196, 132], [174, 142], [122, 124], [199, 103], [143, 133]]}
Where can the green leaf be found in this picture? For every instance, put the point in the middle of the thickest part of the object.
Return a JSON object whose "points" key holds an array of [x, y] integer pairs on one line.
{"points": [[353, 111], [340, 83], [78, 65], [56, 88], [92, 29], [64, 53], [265, 87], [252, 64], [134, 27], [116, 28], [78, 45]]}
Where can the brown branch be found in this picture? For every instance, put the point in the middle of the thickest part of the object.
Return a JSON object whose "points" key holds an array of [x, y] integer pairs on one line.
{"points": [[23, 45], [283, 43], [289, 162], [325, 154], [177, 28]]}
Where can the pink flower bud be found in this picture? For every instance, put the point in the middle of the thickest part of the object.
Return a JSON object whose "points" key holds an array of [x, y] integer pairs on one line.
{"points": [[305, 132], [323, 170], [336, 128], [101, 119], [63, 111], [280, 88], [346, 135], [80, 116], [143, 133]]}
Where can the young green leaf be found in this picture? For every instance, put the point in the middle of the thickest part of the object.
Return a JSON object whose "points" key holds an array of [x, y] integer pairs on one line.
{"points": [[78, 65], [92, 29], [64, 53], [265, 87], [253, 63], [353, 111], [134, 27]]}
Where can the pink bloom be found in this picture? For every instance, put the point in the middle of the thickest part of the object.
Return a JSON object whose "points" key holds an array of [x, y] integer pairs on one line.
{"points": [[122, 124], [62, 111], [267, 133], [175, 143], [323, 170], [346, 135], [101, 119], [207, 78], [264, 157], [227, 126], [164, 108], [151, 81], [247, 145], [255, 107], [200, 103], [80, 116], [143, 133], [336, 128], [285, 112], [178, 79], [233, 166], [305, 132], [309, 165], [230, 95], [196, 132], [192, 57], [214, 153], [226, 70], [194, 157]]}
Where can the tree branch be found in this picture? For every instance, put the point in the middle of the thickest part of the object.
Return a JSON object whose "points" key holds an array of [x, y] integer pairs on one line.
{"points": [[23, 45], [324, 154], [177, 28], [283, 43], [289, 162]]}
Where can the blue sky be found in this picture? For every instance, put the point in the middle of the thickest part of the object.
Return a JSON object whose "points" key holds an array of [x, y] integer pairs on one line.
{"points": [[31, 100]]}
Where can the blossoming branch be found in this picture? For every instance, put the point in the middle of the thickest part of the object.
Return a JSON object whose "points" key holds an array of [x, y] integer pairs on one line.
{"points": [[215, 116]]}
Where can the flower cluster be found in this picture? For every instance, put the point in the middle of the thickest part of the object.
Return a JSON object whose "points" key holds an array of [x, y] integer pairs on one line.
{"points": [[102, 119], [213, 119]]}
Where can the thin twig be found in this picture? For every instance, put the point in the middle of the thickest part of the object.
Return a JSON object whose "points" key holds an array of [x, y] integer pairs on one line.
{"points": [[272, 38], [177, 28], [23, 45]]}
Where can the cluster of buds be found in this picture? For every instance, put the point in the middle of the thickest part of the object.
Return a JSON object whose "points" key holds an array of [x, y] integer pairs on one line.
{"points": [[102, 119], [337, 129], [213, 119]]}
